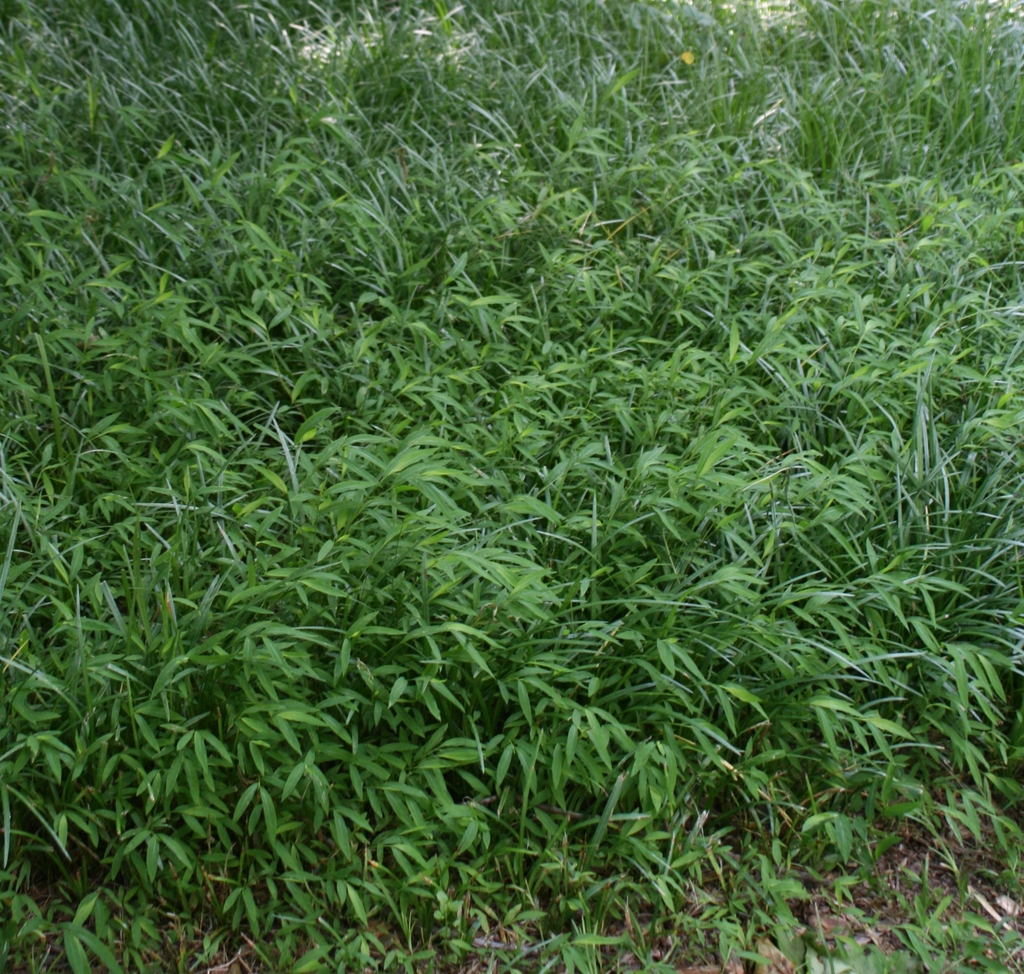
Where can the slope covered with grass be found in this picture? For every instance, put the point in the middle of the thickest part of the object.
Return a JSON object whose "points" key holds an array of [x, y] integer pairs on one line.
{"points": [[472, 470]]}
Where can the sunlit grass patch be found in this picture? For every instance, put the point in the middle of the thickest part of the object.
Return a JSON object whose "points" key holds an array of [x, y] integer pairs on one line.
{"points": [[477, 476]]}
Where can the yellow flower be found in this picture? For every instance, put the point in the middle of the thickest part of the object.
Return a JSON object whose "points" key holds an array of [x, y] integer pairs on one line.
{"points": [[687, 57]]}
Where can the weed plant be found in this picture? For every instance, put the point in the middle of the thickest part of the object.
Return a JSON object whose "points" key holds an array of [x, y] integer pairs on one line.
{"points": [[475, 472]]}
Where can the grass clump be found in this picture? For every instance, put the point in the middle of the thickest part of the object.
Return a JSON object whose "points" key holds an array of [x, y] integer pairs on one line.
{"points": [[469, 474]]}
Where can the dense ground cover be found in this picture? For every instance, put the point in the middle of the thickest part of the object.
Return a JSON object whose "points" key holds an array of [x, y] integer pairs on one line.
{"points": [[504, 471]]}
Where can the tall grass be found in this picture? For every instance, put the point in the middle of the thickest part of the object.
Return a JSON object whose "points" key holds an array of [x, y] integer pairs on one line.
{"points": [[466, 468]]}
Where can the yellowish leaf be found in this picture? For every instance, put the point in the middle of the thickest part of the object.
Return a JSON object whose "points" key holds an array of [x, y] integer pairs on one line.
{"points": [[775, 961]]}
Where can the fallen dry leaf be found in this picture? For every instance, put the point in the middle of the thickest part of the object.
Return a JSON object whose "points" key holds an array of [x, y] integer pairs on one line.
{"points": [[988, 908], [873, 937], [775, 961], [829, 926], [1008, 906]]}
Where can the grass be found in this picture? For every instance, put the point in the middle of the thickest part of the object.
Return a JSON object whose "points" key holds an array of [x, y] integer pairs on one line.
{"points": [[470, 475]]}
